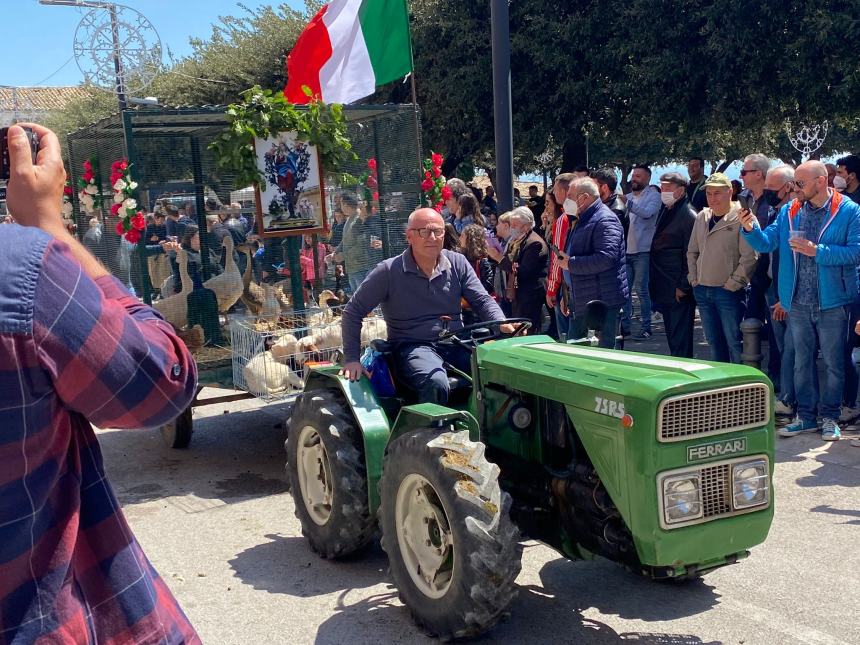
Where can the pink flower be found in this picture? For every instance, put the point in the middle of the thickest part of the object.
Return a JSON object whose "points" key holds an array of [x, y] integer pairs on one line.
{"points": [[120, 228], [447, 193], [438, 207], [437, 172], [67, 190], [88, 176], [133, 236], [88, 165], [375, 196], [371, 163], [114, 210], [427, 185]]}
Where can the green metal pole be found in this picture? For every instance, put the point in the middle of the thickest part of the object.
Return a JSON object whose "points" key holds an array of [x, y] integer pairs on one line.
{"points": [[128, 128], [200, 199], [292, 247]]}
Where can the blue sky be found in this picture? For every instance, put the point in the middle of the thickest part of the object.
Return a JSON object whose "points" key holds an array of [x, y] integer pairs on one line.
{"points": [[37, 39]]}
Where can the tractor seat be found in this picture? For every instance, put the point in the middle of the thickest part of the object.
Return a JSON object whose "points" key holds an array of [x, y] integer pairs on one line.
{"points": [[459, 388]]}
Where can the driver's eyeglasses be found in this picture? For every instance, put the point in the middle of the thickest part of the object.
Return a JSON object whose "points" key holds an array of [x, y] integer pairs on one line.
{"points": [[424, 233]]}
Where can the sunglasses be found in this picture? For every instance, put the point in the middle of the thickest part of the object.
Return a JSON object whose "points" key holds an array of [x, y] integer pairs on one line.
{"points": [[802, 184], [745, 172]]}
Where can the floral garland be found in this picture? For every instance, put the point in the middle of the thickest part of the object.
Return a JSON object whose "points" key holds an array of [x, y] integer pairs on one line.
{"points": [[371, 184], [434, 192], [88, 190], [131, 221]]}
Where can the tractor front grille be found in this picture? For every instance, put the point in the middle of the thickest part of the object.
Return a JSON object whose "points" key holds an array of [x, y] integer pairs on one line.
{"points": [[713, 412], [716, 491]]}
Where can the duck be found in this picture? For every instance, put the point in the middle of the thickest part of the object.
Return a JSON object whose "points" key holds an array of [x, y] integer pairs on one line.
{"points": [[265, 376], [227, 287], [271, 308], [253, 295], [175, 308]]}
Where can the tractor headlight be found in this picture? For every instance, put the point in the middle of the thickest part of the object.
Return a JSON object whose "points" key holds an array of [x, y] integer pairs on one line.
{"points": [[750, 485], [681, 498]]}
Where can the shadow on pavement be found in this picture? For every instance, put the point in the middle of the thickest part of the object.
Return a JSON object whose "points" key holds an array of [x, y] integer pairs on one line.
{"points": [[286, 565], [826, 508], [232, 457]]}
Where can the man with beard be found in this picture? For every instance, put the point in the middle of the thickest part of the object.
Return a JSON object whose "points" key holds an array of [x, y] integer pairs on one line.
{"points": [[821, 228], [696, 187], [643, 204], [607, 182], [671, 293]]}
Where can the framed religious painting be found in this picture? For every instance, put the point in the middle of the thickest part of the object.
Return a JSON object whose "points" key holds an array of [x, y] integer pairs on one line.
{"points": [[291, 200]]}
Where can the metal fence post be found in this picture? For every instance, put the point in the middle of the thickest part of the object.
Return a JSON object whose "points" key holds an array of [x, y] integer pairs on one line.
{"points": [[751, 330]]}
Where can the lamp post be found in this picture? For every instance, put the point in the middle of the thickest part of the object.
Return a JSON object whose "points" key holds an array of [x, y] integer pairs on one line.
{"points": [[114, 24], [501, 39]]}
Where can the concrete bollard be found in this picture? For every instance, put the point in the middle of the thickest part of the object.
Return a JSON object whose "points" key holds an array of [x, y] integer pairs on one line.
{"points": [[751, 330]]}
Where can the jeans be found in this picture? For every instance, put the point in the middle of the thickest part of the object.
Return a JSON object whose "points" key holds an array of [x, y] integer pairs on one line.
{"points": [[721, 312], [562, 322], [808, 325], [356, 278], [606, 335], [420, 365], [637, 280]]}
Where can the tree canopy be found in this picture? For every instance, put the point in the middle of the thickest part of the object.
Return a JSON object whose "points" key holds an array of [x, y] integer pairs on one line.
{"points": [[643, 81]]}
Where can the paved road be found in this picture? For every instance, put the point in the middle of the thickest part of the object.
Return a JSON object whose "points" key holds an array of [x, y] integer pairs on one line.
{"points": [[218, 523]]}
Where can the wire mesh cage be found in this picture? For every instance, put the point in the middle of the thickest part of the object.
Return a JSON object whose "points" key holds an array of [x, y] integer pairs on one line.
{"points": [[271, 357], [251, 278]]}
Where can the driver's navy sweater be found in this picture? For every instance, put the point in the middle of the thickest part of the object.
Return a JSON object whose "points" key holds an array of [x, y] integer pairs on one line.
{"points": [[412, 303]]}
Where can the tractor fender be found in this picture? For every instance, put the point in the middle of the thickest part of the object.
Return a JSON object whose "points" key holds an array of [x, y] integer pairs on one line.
{"points": [[429, 415]]}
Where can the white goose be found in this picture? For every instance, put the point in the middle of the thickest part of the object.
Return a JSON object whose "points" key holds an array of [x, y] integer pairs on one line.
{"points": [[228, 286], [175, 308]]}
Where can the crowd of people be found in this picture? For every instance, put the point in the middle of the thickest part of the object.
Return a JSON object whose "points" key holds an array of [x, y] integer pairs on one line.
{"points": [[782, 247]]}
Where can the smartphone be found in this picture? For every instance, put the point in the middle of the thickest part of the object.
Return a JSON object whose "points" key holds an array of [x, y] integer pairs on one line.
{"points": [[744, 201], [4, 150], [556, 250]]}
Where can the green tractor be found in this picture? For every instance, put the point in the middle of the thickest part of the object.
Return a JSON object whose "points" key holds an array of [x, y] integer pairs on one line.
{"points": [[663, 465]]}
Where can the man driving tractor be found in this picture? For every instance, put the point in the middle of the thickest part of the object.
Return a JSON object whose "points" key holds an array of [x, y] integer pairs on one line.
{"points": [[420, 292]]}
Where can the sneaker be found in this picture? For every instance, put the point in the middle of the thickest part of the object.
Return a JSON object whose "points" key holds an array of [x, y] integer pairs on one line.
{"points": [[656, 317], [830, 430], [848, 414], [783, 409], [798, 426], [642, 335]]}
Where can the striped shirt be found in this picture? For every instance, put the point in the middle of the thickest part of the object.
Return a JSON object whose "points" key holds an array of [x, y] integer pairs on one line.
{"points": [[75, 351], [559, 237]]}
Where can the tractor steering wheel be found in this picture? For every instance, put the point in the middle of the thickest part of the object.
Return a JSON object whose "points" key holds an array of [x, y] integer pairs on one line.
{"points": [[495, 325]]}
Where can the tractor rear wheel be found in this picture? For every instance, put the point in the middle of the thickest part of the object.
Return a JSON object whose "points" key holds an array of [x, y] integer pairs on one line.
{"points": [[328, 475], [453, 549]]}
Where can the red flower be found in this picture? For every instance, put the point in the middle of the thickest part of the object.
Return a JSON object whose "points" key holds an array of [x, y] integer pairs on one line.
{"points": [[120, 228], [67, 190], [447, 193], [114, 210], [437, 172], [114, 177], [119, 164], [138, 222], [427, 185], [133, 236], [88, 176], [427, 174], [438, 207], [371, 182], [371, 163], [375, 196], [436, 158], [88, 165]]}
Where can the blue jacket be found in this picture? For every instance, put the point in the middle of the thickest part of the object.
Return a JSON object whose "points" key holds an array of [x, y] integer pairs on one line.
{"points": [[837, 256], [596, 269]]}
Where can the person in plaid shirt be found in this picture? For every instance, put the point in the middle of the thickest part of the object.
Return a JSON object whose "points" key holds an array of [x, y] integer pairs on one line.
{"points": [[75, 348]]}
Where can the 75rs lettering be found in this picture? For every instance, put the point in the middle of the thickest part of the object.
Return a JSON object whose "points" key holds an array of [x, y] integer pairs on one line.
{"points": [[608, 407]]}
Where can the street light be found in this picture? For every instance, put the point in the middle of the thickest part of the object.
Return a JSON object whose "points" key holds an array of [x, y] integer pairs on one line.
{"points": [[114, 29]]}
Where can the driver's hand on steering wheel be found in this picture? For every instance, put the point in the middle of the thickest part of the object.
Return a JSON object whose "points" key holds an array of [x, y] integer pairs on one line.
{"points": [[352, 370], [510, 328]]}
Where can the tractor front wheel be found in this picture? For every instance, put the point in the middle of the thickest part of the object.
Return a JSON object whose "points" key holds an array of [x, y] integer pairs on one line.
{"points": [[453, 550], [328, 475]]}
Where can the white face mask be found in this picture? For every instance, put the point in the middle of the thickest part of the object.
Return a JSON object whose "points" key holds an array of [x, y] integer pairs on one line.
{"points": [[839, 183], [668, 199], [570, 207]]}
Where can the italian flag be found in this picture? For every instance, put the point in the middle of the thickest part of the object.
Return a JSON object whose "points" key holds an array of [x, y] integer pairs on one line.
{"points": [[349, 49]]}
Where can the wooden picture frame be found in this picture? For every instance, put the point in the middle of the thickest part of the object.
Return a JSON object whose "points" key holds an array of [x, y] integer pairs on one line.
{"points": [[294, 184]]}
